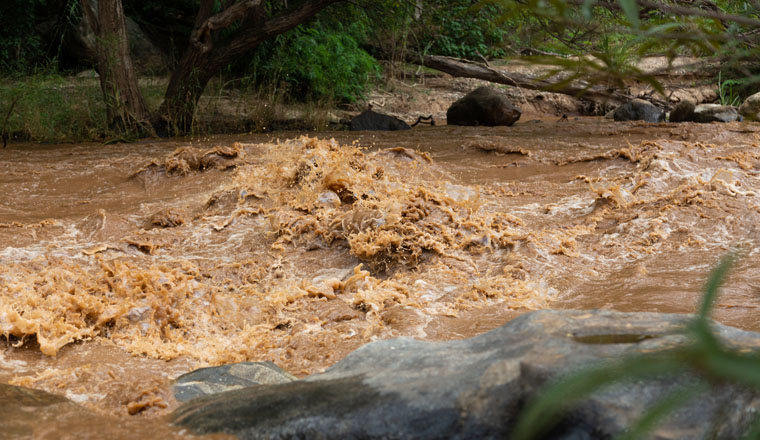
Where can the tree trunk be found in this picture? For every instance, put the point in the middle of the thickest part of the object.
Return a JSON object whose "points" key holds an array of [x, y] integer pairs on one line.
{"points": [[205, 56], [125, 107]]}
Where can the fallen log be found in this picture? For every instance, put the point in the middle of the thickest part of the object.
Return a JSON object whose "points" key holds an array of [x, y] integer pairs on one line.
{"points": [[470, 69]]}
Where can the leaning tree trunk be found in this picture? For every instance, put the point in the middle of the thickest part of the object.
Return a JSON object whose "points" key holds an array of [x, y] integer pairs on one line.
{"points": [[125, 107]]}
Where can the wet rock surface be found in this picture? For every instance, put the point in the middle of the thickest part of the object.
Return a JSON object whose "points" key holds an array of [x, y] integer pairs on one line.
{"points": [[475, 388], [750, 108], [705, 113], [683, 112], [207, 381], [370, 120], [33, 414], [639, 110], [483, 106]]}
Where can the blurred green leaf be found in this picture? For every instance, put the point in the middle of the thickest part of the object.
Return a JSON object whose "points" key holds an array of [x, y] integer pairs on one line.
{"points": [[631, 11]]}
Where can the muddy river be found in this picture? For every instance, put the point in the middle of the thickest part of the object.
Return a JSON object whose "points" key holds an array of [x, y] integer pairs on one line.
{"points": [[124, 266]]}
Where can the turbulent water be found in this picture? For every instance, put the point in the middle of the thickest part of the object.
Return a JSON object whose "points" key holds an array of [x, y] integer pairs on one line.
{"points": [[122, 267]]}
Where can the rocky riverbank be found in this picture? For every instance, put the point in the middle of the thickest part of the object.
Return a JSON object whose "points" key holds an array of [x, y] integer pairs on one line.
{"points": [[473, 388]]}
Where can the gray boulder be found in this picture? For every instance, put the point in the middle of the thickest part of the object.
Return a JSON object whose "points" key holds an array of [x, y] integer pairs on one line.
{"points": [[371, 120], [750, 108], [639, 110], [483, 106], [207, 381], [705, 113], [475, 388], [683, 112]]}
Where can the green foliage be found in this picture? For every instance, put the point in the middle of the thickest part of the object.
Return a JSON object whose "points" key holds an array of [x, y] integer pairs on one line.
{"points": [[465, 29], [316, 62], [728, 93], [705, 357], [20, 47]]}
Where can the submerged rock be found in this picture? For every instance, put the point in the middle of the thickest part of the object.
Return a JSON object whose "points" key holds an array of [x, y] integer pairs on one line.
{"points": [[639, 110], [25, 409], [371, 120], [483, 106], [683, 112], [212, 380], [715, 113], [475, 388], [33, 414]]}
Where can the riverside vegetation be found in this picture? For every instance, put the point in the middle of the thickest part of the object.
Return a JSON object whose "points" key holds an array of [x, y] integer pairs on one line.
{"points": [[332, 61]]}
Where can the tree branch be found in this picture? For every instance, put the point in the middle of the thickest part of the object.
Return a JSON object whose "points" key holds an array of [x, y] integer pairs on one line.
{"points": [[675, 9], [207, 23], [247, 39]]}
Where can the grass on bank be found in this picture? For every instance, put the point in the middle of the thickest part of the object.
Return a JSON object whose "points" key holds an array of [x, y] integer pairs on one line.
{"points": [[705, 357], [52, 108]]}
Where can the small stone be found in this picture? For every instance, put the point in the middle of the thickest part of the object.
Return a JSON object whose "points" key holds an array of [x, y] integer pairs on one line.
{"points": [[329, 199]]}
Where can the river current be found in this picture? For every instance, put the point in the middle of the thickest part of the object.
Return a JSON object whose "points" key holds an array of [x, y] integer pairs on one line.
{"points": [[124, 266]]}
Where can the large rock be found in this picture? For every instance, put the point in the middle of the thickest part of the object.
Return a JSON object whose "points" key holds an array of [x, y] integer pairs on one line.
{"points": [[475, 388], [715, 113], [683, 112], [750, 108], [639, 110], [483, 106], [371, 120], [212, 380]]}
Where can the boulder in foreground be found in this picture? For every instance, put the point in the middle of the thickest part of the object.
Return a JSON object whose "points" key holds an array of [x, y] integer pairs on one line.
{"points": [[475, 388], [483, 106]]}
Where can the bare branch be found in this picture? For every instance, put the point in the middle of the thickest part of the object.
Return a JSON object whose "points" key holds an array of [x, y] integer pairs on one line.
{"points": [[675, 9]]}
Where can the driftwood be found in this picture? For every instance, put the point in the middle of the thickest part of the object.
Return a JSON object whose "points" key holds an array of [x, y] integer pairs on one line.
{"points": [[470, 69]]}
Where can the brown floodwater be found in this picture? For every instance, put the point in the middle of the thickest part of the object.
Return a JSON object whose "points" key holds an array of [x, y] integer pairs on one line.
{"points": [[124, 266]]}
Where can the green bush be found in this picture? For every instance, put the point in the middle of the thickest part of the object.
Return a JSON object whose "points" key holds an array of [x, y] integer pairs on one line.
{"points": [[317, 62], [466, 29]]}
